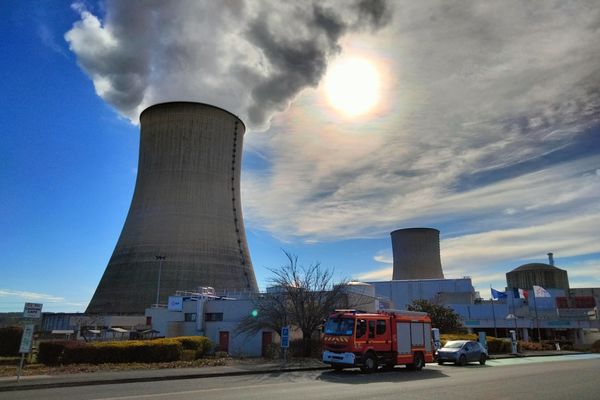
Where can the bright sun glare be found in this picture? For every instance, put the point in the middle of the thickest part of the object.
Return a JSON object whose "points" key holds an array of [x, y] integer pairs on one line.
{"points": [[352, 86]]}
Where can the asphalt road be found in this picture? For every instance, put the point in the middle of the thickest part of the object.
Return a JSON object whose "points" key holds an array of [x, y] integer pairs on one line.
{"points": [[548, 378]]}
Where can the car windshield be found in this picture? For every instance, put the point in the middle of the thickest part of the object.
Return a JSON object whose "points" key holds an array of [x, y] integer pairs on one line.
{"points": [[453, 345], [339, 326]]}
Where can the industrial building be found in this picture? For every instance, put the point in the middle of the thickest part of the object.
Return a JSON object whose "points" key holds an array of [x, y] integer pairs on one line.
{"points": [[568, 314], [185, 227]]}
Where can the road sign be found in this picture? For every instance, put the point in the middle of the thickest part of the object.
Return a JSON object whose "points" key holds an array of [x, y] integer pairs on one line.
{"points": [[32, 310], [285, 337], [26, 339], [25, 346]]}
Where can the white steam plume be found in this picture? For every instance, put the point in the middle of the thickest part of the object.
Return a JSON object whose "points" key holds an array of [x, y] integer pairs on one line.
{"points": [[251, 58]]}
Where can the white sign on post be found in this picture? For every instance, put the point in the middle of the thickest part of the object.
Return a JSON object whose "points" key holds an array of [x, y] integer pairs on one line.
{"points": [[32, 310], [26, 339]]}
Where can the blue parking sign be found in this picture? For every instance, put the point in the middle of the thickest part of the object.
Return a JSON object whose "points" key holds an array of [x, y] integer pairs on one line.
{"points": [[285, 337]]}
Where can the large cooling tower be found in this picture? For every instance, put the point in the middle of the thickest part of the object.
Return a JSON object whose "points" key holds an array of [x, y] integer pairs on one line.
{"points": [[186, 208], [416, 254]]}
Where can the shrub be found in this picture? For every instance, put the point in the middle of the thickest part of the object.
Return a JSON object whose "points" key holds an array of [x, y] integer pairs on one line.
{"points": [[495, 345], [10, 340], [596, 346], [221, 354], [273, 351], [161, 350], [50, 353], [498, 346], [296, 348], [446, 337], [201, 344]]}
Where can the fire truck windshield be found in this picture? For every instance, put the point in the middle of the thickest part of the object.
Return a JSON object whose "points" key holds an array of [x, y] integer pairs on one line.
{"points": [[339, 326]]}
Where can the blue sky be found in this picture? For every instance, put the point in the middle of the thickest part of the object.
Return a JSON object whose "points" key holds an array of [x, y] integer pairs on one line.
{"points": [[485, 125]]}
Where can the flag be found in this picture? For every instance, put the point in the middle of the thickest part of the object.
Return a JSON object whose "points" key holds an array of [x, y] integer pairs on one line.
{"points": [[520, 293], [539, 291], [496, 294]]}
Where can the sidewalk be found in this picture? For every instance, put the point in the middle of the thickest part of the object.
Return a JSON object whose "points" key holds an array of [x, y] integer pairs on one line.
{"points": [[239, 367]]}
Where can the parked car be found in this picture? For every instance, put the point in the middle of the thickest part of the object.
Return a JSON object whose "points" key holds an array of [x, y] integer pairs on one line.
{"points": [[461, 352]]}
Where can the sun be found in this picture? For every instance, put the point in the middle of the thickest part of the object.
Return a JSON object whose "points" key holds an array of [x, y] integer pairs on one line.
{"points": [[352, 86]]}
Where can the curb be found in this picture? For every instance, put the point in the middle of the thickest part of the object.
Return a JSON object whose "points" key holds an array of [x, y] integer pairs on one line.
{"points": [[18, 387], [520, 355]]}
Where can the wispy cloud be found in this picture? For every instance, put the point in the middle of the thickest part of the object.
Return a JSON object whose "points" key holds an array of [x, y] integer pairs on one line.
{"points": [[383, 274], [493, 135], [49, 40], [584, 273], [30, 296]]}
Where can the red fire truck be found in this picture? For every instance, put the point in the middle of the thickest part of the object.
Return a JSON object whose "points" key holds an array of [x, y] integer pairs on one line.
{"points": [[367, 340]]}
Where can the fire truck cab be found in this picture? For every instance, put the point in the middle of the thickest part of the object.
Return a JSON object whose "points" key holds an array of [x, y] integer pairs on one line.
{"points": [[368, 340]]}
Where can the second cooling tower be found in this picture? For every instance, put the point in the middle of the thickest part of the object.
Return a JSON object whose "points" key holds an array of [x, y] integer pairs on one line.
{"points": [[416, 254], [184, 228]]}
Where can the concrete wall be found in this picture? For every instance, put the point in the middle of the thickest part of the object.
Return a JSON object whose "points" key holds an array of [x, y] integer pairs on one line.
{"points": [[186, 207], [439, 291]]}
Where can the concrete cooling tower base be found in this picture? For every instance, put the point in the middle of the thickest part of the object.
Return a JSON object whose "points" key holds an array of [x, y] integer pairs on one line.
{"points": [[186, 208]]}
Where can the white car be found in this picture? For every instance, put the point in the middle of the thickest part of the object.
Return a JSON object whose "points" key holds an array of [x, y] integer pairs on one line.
{"points": [[461, 352]]}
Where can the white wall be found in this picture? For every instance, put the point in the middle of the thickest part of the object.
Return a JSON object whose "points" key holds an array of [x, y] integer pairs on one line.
{"points": [[172, 323]]}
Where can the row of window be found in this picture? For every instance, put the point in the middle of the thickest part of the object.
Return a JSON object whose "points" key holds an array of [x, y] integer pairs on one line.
{"points": [[191, 317], [375, 328]]}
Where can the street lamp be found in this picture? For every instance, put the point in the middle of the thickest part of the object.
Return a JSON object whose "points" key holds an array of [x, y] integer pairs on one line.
{"points": [[160, 260]]}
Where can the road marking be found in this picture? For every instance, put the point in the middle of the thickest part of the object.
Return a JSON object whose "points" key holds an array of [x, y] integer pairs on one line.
{"points": [[162, 395], [535, 360]]}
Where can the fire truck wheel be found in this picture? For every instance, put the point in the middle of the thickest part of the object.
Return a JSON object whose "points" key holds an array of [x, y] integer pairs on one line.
{"points": [[418, 362], [370, 364]]}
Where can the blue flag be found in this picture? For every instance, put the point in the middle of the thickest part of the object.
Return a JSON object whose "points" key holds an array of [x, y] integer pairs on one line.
{"points": [[496, 294]]}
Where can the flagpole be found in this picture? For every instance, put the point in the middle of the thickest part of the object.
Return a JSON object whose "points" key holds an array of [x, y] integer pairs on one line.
{"points": [[494, 314], [537, 321], [514, 312]]}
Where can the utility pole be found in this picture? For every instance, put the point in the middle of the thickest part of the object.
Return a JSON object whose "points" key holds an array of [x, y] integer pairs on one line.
{"points": [[160, 259]]}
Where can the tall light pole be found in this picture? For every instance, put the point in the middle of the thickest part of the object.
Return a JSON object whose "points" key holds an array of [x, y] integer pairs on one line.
{"points": [[160, 260]]}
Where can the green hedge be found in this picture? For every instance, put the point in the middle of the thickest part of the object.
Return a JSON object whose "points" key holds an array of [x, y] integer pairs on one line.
{"points": [[10, 340], [495, 345], [50, 353], [128, 351], [200, 344], [498, 346]]}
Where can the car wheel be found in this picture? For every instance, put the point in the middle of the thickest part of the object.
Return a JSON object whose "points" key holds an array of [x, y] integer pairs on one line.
{"points": [[370, 364], [337, 368], [440, 363], [462, 360], [482, 359]]}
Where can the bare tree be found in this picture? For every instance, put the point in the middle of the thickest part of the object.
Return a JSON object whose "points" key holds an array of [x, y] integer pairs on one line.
{"points": [[302, 296]]}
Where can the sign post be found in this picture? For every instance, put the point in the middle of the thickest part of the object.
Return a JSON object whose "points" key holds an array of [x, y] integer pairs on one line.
{"points": [[285, 341], [25, 346], [31, 311]]}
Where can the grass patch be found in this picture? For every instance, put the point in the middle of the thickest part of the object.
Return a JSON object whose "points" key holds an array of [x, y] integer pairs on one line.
{"points": [[41, 369]]}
